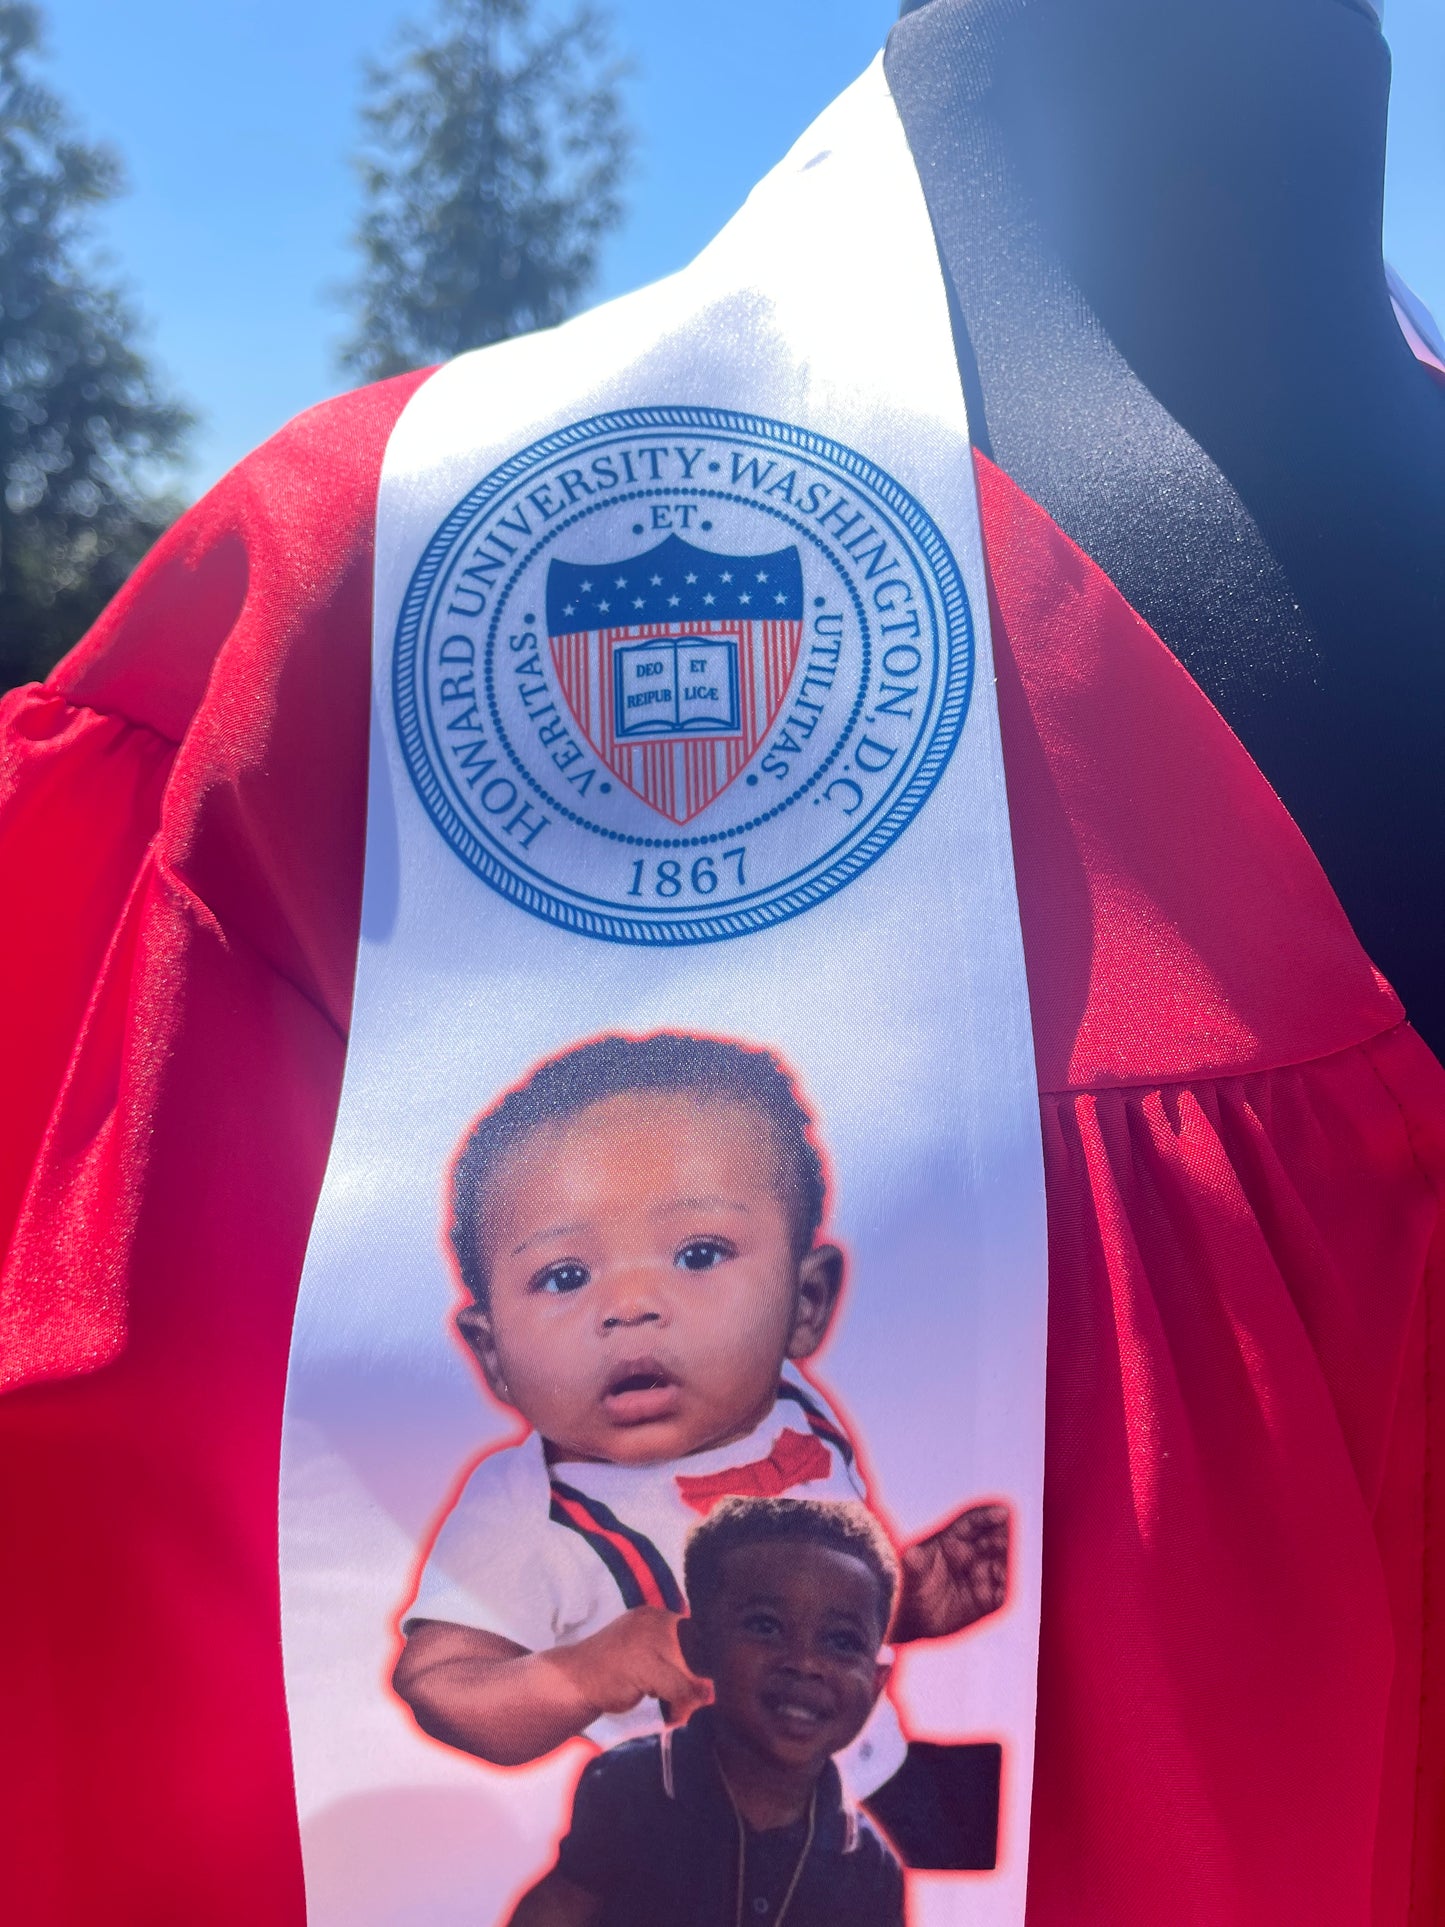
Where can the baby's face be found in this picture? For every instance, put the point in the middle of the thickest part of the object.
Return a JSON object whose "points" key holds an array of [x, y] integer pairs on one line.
{"points": [[644, 1291]]}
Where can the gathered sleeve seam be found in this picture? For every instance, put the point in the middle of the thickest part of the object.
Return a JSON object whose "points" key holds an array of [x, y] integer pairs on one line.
{"points": [[81, 706], [1195, 1080]]}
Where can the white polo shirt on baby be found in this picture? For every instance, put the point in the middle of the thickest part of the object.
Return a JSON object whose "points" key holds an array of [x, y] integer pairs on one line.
{"points": [[546, 1555]]}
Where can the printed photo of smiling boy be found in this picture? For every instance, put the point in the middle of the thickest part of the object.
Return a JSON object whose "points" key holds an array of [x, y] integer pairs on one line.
{"points": [[638, 1228], [741, 1814]]}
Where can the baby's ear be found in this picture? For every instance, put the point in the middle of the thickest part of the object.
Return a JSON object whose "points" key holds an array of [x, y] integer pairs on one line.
{"points": [[474, 1322], [820, 1279]]}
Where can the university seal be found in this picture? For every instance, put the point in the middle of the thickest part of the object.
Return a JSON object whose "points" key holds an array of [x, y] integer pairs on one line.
{"points": [[672, 675]]}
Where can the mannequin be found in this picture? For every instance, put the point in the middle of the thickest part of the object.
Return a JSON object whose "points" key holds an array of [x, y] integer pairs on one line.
{"points": [[1161, 226]]}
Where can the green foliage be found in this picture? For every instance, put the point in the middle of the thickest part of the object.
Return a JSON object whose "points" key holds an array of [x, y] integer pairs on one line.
{"points": [[495, 148], [84, 436]]}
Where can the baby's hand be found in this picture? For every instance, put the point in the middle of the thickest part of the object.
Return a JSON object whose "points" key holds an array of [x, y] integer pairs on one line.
{"points": [[635, 1657], [955, 1576]]}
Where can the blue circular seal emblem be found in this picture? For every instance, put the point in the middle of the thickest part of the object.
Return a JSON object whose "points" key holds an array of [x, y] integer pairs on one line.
{"points": [[672, 675]]}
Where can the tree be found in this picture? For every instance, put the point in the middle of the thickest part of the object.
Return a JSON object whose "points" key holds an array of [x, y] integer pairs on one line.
{"points": [[85, 438], [494, 153]]}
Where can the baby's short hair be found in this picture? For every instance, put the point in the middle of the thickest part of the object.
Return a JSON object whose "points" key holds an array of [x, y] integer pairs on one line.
{"points": [[669, 1062], [844, 1525]]}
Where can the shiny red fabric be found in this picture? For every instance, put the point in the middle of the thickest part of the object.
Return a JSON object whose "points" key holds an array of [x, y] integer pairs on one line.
{"points": [[1240, 1711]]}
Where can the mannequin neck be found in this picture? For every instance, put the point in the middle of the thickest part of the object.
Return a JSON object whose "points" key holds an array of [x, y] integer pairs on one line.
{"points": [[1208, 175]]}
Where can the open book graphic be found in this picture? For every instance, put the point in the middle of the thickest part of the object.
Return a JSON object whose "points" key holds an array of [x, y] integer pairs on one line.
{"points": [[676, 685]]}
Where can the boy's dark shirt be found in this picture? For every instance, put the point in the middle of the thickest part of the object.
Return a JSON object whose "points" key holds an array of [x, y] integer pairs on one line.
{"points": [[660, 1860]]}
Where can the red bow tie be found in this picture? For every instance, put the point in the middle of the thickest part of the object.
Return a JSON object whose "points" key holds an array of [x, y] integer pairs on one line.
{"points": [[794, 1460]]}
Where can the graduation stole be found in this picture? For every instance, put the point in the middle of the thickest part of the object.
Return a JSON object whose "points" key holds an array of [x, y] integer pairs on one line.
{"points": [[684, 729]]}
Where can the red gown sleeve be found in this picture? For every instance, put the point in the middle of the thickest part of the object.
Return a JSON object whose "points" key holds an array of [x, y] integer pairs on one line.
{"points": [[183, 822], [1242, 1659], [81, 798]]}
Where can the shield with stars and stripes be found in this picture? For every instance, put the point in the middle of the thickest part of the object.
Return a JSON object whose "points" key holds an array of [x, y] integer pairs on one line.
{"points": [[675, 663]]}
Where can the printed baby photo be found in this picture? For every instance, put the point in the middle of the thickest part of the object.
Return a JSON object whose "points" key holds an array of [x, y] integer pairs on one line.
{"points": [[680, 1556]]}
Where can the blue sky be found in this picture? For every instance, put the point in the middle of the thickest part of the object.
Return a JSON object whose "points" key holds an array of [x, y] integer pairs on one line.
{"points": [[236, 119]]}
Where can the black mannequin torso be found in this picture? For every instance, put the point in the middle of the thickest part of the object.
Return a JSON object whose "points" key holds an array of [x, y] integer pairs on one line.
{"points": [[1162, 229]]}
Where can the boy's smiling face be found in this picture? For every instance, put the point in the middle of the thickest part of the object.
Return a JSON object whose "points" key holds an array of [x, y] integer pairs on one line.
{"points": [[790, 1644], [643, 1283]]}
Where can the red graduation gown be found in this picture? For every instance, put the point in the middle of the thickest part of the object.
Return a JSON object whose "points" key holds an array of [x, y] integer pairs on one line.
{"points": [[1242, 1685]]}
